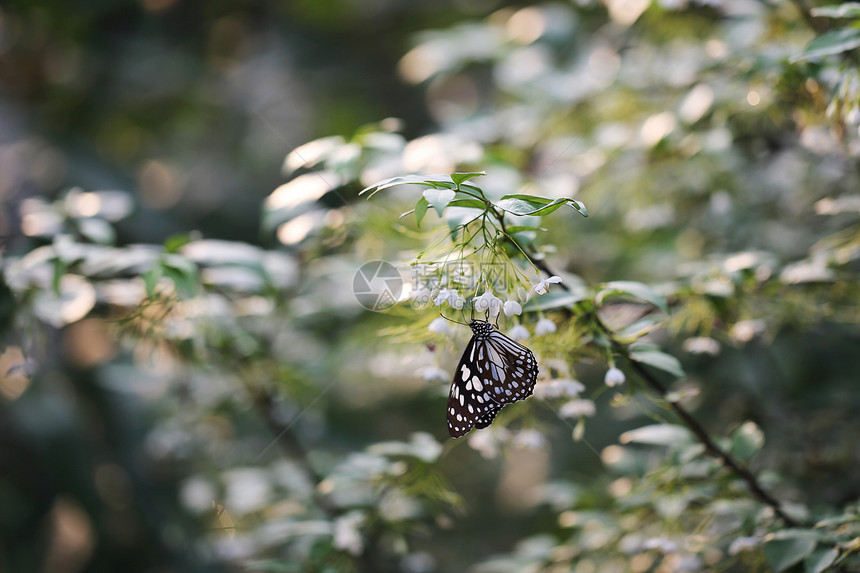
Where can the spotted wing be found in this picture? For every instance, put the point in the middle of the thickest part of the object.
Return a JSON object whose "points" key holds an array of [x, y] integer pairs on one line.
{"points": [[488, 416], [469, 403], [507, 369]]}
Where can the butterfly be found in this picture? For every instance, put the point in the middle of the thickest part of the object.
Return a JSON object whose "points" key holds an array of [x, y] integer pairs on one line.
{"points": [[493, 371]]}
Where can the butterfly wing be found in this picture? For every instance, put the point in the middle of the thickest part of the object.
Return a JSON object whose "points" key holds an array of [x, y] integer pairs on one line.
{"points": [[469, 403], [507, 369], [488, 416], [494, 370]]}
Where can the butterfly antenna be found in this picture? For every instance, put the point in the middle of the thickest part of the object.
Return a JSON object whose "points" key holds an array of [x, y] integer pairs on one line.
{"points": [[452, 320]]}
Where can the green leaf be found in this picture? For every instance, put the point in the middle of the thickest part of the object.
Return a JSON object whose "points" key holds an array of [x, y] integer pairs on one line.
{"points": [[658, 435], [536, 199], [439, 198], [176, 242], [420, 210], [783, 553], [186, 285], [556, 299], [151, 278], [831, 43], [659, 360], [457, 216], [182, 272], [534, 205], [846, 10], [459, 178], [820, 559], [518, 206], [434, 181], [473, 203], [746, 441], [638, 329], [60, 268], [631, 288], [537, 205]]}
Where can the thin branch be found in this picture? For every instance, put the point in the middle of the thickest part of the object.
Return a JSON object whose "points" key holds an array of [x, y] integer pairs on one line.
{"points": [[687, 418], [712, 448]]}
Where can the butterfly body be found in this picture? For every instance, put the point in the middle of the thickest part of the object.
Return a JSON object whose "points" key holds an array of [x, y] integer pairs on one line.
{"points": [[494, 371]]}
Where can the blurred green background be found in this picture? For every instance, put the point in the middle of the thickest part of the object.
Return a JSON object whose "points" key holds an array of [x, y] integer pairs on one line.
{"points": [[189, 384]]}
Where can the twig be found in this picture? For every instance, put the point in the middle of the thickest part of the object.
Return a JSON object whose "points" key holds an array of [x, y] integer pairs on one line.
{"points": [[712, 448], [686, 417]]}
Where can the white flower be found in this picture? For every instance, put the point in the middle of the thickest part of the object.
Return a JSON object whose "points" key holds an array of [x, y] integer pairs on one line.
{"points": [[487, 442], [746, 330], [559, 388], [450, 296], [541, 286], [743, 544], [529, 440], [519, 332], [577, 408], [346, 534], [433, 374], [661, 544], [614, 377], [439, 326], [512, 307], [544, 326], [702, 345], [488, 302]]}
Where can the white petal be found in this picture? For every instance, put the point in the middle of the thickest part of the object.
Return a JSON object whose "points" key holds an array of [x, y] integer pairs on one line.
{"points": [[512, 307], [614, 377], [544, 326], [439, 326]]}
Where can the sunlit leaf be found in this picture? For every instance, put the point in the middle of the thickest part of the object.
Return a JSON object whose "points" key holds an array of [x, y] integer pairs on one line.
{"points": [[432, 181], [659, 360], [439, 198], [457, 216], [658, 435], [72, 301], [638, 329], [831, 43], [459, 178], [846, 10], [533, 205], [631, 288], [556, 299]]}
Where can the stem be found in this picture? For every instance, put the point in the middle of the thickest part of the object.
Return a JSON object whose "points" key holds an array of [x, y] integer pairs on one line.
{"points": [[687, 418], [500, 217], [712, 448]]}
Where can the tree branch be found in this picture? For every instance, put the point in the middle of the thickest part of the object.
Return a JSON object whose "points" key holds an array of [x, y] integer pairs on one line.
{"points": [[685, 416], [710, 446]]}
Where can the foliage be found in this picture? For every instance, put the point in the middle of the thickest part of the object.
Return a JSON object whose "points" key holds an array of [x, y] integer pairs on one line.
{"points": [[695, 326]]}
